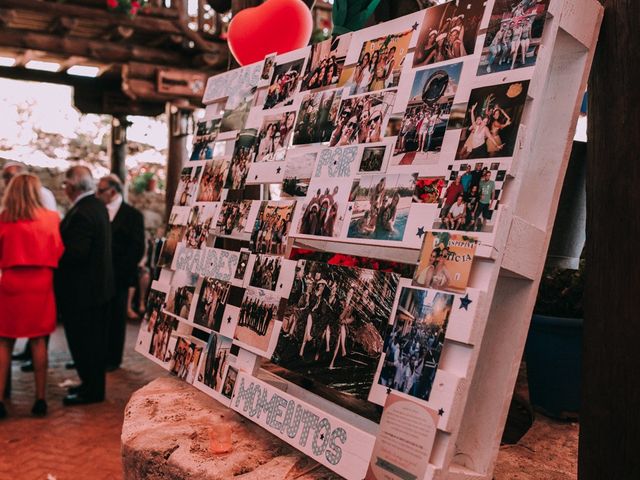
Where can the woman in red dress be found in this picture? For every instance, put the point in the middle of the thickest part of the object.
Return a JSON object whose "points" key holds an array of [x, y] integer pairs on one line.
{"points": [[30, 247]]}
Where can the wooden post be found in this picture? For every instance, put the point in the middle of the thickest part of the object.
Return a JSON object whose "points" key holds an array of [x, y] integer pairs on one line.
{"points": [[609, 417], [119, 126], [177, 152]]}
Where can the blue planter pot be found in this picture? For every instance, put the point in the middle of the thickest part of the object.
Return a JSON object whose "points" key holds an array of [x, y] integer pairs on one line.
{"points": [[554, 356]]}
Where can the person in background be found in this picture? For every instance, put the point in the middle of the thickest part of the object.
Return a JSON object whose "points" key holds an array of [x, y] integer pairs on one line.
{"points": [[128, 244], [30, 248], [84, 285]]}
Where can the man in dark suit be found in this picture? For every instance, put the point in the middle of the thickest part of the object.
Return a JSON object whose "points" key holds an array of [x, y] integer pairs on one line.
{"points": [[127, 242], [84, 284]]}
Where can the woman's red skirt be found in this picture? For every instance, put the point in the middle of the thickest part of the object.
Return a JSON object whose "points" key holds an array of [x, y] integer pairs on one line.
{"points": [[27, 302]]}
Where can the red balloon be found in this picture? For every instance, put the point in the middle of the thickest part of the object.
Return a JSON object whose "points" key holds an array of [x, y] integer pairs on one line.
{"points": [[276, 26]]}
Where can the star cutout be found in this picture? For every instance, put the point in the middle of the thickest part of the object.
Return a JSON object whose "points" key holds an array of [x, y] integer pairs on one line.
{"points": [[280, 285], [420, 232], [335, 162], [256, 177], [229, 319], [278, 170], [465, 302], [388, 391], [322, 436], [441, 412], [350, 208], [415, 26]]}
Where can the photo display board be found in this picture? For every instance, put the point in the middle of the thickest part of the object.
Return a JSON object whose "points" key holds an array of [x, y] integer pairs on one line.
{"points": [[346, 304]]}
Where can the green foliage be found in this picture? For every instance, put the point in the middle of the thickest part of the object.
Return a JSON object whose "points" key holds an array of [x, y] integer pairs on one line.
{"points": [[561, 291], [141, 182], [351, 15]]}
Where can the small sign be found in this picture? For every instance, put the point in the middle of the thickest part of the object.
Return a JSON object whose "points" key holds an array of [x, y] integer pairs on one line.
{"points": [[176, 82]]}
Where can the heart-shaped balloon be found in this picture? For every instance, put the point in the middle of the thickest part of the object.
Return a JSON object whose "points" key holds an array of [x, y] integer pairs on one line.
{"points": [[276, 26]]}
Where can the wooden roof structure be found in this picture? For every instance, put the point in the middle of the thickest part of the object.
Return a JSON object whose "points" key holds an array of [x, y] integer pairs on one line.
{"points": [[142, 62]]}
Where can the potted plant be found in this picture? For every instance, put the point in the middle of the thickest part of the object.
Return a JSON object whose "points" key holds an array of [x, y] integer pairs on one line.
{"points": [[554, 344]]}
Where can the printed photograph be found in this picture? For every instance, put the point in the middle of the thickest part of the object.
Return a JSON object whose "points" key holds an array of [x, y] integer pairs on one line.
{"points": [[269, 65], [175, 235], [425, 120], [317, 117], [372, 159], [492, 121], [184, 362], [361, 119], [448, 31], [413, 347], [274, 137], [232, 220], [324, 208], [379, 63], [187, 186], [200, 224], [243, 262], [162, 331], [428, 189], [285, 83], [334, 325], [229, 382], [204, 139], [243, 155], [271, 230], [381, 206], [265, 273], [298, 171], [445, 261], [155, 304], [514, 35], [472, 195], [212, 181], [183, 289], [325, 63], [241, 87], [211, 303], [215, 361], [257, 320]]}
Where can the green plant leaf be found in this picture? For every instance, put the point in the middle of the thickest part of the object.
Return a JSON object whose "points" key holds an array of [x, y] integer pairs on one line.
{"points": [[351, 15]]}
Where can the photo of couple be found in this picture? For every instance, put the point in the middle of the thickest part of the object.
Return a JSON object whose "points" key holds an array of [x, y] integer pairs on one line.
{"points": [[274, 137], [325, 63]]}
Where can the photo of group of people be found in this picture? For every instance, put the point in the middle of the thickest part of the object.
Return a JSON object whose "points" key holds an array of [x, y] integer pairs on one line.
{"points": [[200, 224], [514, 35], [427, 114], [317, 117], [274, 137], [162, 331], [184, 361], [334, 324], [492, 121], [243, 155], [413, 347], [361, 119], [298, 171], [215, 362], [379, 63], [272, 226], [381, 206], [323, 209], [211, 303], [325, 63], [180, 298], [284, 84], [448, 31], [445, 262], [257, 318], [203, 141], [232, 220], [187, 186], [212, 181], [266, 271], [471, 196]]}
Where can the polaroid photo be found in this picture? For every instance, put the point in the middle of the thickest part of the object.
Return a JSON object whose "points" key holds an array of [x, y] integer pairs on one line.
{"points": [[414, 343], [427, 115], [181, 295], [232, 220], [216, 359], [266, 272], [201, 223], [212, 299], [429, 189], [267, 69], [323, 210], [380, 206], [445, 261], [241, 268], [373, 159], [229, 382], [298, 170], [188, 184], [175, 235], [471, 198], [258, 328], [334, 324], [162, 332], [317, 117], [492, 121], [448, 31], [212, 181], [271, 227], [186, 358], [362, 119], [243, 156], [325, 63], [274, 137], [514, 35], [204, 141], [285, 83]]}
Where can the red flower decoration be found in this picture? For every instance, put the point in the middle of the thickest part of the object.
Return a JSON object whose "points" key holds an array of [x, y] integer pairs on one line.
{"points": [[112, 3]]}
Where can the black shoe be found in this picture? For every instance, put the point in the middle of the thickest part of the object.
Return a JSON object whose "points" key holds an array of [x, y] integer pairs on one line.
{"points": [[80, 399], [70, 365], [39, 408], [75, 390], [23, 356], [27, 366], [3, 411]]}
